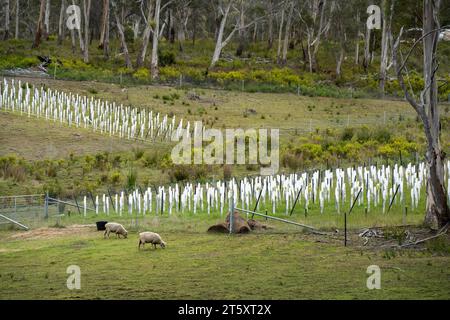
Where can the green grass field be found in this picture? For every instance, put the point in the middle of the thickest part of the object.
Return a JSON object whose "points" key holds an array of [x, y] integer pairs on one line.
{"points": [[282, 263]]}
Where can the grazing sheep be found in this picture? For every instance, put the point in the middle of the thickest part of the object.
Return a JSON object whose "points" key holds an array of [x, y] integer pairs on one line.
{"points": [[116, 228], [152, 238]]}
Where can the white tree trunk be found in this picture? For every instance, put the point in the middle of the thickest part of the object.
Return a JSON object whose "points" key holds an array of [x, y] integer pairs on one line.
{"points": [[280, 35], [270, 24], [154, 62], [339, 62], [136, 26], [437, 210], [47, 18], [87, 10], [219, 40], [122, 41], [104, 34], [73, 40], [358, 21], [385, 36], [61, 26], [145, 39], [287, 33]]}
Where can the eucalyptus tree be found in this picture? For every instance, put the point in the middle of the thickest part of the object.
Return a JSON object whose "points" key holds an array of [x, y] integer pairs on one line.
{"points": [[427, 108]]}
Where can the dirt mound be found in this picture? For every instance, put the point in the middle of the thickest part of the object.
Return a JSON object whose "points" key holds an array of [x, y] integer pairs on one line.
{"points": [[49, 233], [240, 225], [256, 225]]}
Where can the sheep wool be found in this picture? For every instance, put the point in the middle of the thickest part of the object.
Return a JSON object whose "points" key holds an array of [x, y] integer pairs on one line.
{"points": [[152, 238], [116, 228]]}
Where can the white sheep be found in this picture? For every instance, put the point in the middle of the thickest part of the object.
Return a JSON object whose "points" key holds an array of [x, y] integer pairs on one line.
{"points": [[116, 228], [152, 238]]}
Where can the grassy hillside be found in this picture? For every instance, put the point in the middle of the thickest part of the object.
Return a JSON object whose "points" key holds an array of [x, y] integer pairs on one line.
{"points": [[315, 132]]}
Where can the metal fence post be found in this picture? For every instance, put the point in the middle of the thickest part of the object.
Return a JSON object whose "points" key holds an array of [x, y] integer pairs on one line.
{"points": [[46, 206], [345, 229], [231, 214]]}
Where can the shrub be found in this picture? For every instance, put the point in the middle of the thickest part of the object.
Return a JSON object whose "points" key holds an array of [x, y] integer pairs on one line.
{"points": [[363, 135], [348, 134], [115, 177], [166, 58], [100, 161], [141, 74], [382, 135], [310, 151], [292, 161], [151, 160], [138, 153], [52, 170], [168, 73], [180, 173], [131, 179]]}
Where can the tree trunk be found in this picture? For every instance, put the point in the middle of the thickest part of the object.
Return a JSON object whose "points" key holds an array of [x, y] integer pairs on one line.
{"points": [[47, 19], [136, 25], [39, 25], [270, 24], [437, 210], [154, 62], [314, 63], [358, 22], [171, 29], [385, 37], [280, 34], [16, 35], [194, 27], [339, 61], [61, 22], [80, 38], [219, 39], [286, 34], [145, 39], [86, 10], [366, 61], [6, 31], [242, 42], [123, 43], [104, 34], [73, 40]]}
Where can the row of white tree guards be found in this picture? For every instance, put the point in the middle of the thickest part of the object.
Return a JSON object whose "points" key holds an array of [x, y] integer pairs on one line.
{"points": [[81, 111], [377, 186], [333, 190]]}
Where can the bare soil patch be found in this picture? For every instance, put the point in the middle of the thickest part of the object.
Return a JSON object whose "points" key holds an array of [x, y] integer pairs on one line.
{"points": [[49, 233]]}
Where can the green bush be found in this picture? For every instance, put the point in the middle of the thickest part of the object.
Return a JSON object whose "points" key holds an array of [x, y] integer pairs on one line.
{"points": [[141, 74], [166, 58], [115, 177], [348, 134], [382, 135], [132, 177]]}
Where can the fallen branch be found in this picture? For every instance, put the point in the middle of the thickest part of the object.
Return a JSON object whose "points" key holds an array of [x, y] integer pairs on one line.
{"points": [[440, 233]]}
